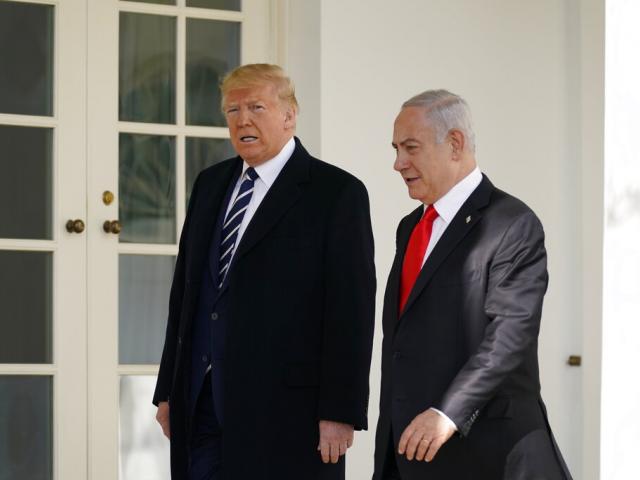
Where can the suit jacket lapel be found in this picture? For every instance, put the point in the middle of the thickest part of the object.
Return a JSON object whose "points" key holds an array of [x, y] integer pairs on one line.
{"points": [[284, 192], [466, 218], [214, 244], [206, 216], [404, 232]]}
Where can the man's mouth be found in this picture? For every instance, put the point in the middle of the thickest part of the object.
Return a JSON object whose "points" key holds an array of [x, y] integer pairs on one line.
{"points": [[248, 139], [410, 180]]}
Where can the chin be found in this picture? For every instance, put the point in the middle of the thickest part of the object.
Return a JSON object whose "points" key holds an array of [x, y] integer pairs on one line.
{"points": [[247, 154], [414, 195]]}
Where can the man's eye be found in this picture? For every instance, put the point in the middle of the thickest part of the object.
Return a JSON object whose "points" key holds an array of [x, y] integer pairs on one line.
{"points": [[231, 110]]}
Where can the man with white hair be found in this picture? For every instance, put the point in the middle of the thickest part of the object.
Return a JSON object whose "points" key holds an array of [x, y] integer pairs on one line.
{"points": [[460, 395]]}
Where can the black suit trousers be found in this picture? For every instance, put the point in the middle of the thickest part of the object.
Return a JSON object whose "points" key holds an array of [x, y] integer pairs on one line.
{"points": [[205, 448]]}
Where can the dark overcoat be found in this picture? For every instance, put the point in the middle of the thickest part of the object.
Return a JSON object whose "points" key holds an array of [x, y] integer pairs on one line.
{"points": [[301, 295], [466, 343]]}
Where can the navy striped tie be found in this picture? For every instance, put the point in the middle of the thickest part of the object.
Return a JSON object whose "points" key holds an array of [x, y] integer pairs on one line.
{"points": [[232, 223]]}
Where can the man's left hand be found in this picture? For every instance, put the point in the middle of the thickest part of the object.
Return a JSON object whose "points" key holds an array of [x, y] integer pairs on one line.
{"points": [[335, 438], [424, 436]]}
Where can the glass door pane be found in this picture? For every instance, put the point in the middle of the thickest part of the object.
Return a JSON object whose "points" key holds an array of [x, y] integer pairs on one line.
{"points": [[26, 193], [26, 432], [147, 68], [144, 450], [145, 281], [26, 296], [217, 4], [26, 32], [213, 49], [147, 189], [161, 2]]}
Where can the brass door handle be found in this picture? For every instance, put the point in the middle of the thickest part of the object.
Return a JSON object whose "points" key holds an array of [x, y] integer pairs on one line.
{"points": [[75, 226], [107, 197], [575, 360], [112, 226]]}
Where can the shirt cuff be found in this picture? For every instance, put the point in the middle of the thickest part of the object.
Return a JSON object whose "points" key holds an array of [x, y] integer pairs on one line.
{"points": [[453, 425]]}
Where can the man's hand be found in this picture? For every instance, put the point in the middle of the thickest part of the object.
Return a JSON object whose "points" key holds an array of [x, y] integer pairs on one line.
{"points": [[335, 438], [424, 436], [163, 418]]}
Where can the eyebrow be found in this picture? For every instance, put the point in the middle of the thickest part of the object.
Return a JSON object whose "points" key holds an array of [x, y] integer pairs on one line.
{"points": [[250, 101], [406, 140]]}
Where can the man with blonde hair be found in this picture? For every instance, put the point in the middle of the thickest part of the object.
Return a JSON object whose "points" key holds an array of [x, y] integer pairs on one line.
{"points": [[265, 368]]}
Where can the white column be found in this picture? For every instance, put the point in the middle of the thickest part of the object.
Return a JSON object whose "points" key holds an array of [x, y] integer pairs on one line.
{"points": [[620, 441]]}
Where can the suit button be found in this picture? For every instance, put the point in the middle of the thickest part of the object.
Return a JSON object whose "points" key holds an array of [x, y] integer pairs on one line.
{"points": [[214, 316], [179, 340], [204, 358], [397, 355]]}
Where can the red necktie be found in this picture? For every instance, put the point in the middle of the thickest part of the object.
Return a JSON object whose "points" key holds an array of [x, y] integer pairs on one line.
{"points": [[414, 254]]}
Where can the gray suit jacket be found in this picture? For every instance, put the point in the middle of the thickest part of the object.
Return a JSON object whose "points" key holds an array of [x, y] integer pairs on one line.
{"points": [[466, 343]]}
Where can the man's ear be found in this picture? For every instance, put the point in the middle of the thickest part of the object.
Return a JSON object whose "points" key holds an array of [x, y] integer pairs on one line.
{"points": [[289, 118], [457, 141]]}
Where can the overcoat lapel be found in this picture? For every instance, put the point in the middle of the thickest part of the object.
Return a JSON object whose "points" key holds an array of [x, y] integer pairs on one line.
{"points": [[464, 221], [282, 195], [206, 216]]}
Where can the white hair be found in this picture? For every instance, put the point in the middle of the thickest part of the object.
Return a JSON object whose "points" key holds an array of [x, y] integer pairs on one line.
{"points": [[446, 111]]}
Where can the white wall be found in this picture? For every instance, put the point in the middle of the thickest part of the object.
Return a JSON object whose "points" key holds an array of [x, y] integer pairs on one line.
{"points": [[592, 45], [520, 65], [621, 329], [300, 55]]}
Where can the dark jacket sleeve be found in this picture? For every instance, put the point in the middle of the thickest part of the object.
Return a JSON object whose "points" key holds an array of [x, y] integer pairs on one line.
{"points": [[513, 303], [349, 309], [167, 363]]}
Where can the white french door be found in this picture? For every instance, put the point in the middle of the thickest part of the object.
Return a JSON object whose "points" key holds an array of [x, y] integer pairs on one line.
{"points": [[108, 113], [154, 123], [43, 295]]}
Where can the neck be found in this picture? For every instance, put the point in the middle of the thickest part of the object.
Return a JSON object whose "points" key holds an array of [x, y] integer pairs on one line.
{"points": [[467, 165]]}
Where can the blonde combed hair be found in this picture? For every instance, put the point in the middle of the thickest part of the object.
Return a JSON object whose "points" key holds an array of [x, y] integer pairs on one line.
{"points": [[258, 74]]}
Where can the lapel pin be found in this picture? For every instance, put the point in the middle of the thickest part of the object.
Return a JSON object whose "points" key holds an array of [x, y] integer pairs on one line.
{"points": [[468, 219]]}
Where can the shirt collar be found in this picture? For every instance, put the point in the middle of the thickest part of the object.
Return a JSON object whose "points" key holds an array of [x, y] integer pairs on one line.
{"points": [[269, 170], [449, 204]]}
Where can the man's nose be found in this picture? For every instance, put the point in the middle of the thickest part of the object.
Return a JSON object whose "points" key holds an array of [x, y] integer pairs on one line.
{"points": [[400, 162], [244, 117]]}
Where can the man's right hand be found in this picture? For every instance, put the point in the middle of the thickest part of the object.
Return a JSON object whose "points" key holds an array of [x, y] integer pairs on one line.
{"points": [[163, 418]]}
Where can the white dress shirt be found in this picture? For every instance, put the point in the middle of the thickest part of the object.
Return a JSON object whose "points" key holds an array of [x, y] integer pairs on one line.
{"points": [[447, 208], [267, 174]]}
